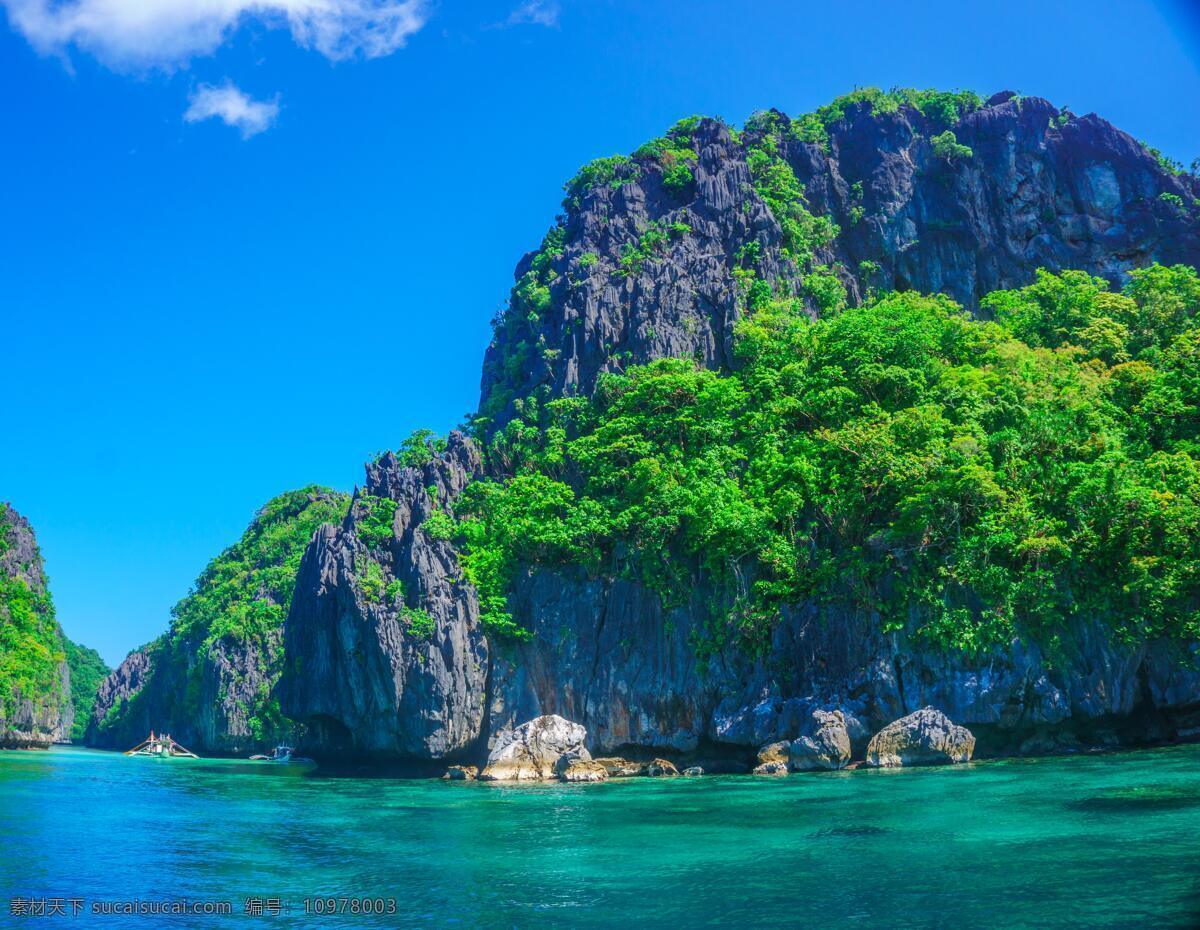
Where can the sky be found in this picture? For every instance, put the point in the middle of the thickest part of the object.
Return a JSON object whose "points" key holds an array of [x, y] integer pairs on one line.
{"points": [[247, 245]]}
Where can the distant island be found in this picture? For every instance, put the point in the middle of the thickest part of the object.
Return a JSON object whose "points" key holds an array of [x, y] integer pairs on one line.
{"points": [[869, 435]]}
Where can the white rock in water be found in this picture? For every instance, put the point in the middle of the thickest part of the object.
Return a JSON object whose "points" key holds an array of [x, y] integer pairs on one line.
{"points": [[926, 737], [531, 751]]}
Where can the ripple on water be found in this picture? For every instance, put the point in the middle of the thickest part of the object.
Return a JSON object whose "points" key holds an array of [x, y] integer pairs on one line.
{"points": [[853, 830], [1146, 798]]}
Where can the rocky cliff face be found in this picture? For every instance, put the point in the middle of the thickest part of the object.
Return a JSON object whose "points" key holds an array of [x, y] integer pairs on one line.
{"points": [[1039, 188], [389, 658], [209, 696], [606, 654], [681, 304], [35, 683], [1042, 189]]}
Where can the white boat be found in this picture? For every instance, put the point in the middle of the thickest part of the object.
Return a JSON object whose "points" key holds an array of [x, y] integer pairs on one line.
{"points": [[160, 747], [283, 754]]}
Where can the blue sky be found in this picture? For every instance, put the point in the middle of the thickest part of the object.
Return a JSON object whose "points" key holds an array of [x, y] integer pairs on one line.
{"points": [[198, 315]]}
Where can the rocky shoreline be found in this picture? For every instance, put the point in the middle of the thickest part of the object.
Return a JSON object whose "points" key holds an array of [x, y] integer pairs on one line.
{"points": [[550, 748]]}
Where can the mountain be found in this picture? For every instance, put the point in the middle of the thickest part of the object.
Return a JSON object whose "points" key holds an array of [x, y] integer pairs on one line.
{"points": [[730, 464], [35, 681], [867, 194], [208, 680], [88, 670]]}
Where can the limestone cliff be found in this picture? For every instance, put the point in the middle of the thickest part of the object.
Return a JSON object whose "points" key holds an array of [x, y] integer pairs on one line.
{"points": [[653, 258]]}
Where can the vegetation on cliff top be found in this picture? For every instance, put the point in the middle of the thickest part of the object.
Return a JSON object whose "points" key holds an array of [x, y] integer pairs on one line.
{"points": [[971, 481], [244, 592]]}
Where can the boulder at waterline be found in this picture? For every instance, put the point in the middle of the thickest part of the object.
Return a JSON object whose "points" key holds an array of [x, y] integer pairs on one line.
{"points": [[824, 745], [661, 768], [777, 767], [926, 737], [617, 767], [774, 752], [531, 751], [575, 767], [462, 773]]}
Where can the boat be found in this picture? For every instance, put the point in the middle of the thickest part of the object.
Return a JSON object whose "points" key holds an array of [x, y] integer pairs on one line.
{"points": [[160, 747], [283, 754]]}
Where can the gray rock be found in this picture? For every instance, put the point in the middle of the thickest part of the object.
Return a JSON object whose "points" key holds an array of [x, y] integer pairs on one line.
{"points": [[533, 750], [621, 768], [113, 701], [776, 767], [360, 678], [661, 768], [926, 737], [693, 771], [1034, 194], [577, 767], [773, 752], [825, 746]]}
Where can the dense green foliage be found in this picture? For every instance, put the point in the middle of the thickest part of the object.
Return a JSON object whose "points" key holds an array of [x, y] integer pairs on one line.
{"points": [[946, 145], [675, 154], [418, 622], [31, 644], [376, 516], [942, 108], [419, 448], [87, 671], [613, 170], [968, 481], [438, 525], [244, 593]]}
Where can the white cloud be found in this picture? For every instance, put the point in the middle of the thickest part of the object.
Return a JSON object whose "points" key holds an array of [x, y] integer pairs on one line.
{"points": [[538, 12], [233, 108], [165, 33]]}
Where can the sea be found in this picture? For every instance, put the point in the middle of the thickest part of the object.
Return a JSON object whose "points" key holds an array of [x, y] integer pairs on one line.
{"points": [[98, 839]]}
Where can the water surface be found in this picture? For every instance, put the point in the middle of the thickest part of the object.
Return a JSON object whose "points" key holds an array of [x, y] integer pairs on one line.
{"points": [[1087, 841]]}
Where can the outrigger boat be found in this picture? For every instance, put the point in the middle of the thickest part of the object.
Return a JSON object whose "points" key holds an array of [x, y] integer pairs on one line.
{"points": [[282, 754], [161, 747]]}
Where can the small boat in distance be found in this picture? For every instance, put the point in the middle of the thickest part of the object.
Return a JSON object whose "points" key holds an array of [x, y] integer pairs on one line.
{"points": [[161, 747], [282, 754]]}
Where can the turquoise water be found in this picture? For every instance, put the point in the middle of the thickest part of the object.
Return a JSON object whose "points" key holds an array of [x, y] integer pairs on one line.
{"points": [[1090, 841]]}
